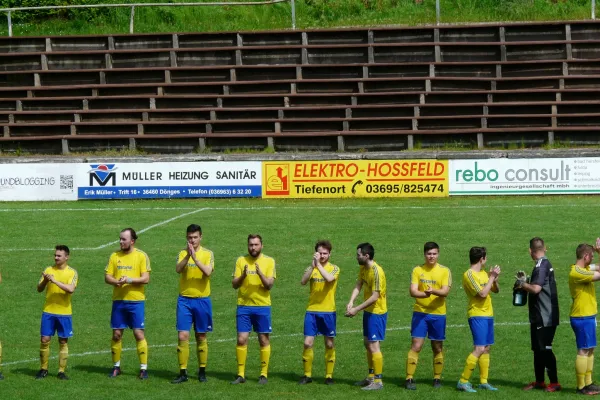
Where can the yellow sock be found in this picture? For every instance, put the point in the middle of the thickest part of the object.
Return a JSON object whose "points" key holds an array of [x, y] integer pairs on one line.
{"points": [[142, 350], [581, 363], [265, 355], [307, 360], [484, 368], [183, 353], [411, 363], [590, 368], [241, 352], [469, 367], [378, 366], [329, 362], [438, 366], [115, 349], [63, 355], [202, 352], [370, 362], [44, 355]]}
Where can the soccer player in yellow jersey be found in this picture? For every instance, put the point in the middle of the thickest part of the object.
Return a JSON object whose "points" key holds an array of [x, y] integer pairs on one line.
{"points": [[195, 265], [429, 284], [128, 270], [320, 318], [478, 287], [583, 316], [253, 277], [372, 278], [60, 282]]}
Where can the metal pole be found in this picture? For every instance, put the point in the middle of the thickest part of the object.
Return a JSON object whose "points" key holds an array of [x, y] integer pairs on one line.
{"points": [[293, 14], [437, 12], [131, 19], [593, 9], [9, 24]]}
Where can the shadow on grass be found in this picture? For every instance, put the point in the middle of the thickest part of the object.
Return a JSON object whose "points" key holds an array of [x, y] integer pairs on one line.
{"points": [[25, 371]]}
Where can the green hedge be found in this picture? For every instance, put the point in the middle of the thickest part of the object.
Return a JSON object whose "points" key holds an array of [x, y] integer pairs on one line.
{"points": [[41, 15]]}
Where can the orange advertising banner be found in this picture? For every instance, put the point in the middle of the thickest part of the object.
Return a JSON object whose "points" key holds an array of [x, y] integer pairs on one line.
{"points": [[361, 178]]}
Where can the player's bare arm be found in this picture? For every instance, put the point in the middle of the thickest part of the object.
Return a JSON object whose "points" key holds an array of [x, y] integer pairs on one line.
{"points": [[266, 281], [354, 295], [494, 272], [417, 294], [307, 274], [236, 282], [111, 280], [326, 275], [144, 279], [67, 288], [42, 284], [367, 303]]}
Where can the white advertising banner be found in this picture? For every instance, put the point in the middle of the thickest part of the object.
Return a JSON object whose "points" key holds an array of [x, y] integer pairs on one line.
{"points": [[525, 176], [169, 180], [37, 182]]}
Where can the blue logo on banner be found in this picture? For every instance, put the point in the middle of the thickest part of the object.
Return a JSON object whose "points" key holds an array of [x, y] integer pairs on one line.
{"points": [[102, 174]]}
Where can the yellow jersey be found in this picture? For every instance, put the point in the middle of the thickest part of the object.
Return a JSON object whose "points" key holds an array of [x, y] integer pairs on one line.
{"points": [[373, 280], [192, 281], [583, 292], [322, 293], [473, 283], [435, 277], [252, 292], [57, 300], [131, 265]]}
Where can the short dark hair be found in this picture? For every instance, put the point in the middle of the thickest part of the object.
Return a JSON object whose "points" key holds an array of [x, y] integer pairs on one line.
{"points": [[536, 244], [367, 248], [194, 228], [131, 232], [430, 246], [476, 254], [62, 247], [582, 250], [326, 244], [255, 236]]}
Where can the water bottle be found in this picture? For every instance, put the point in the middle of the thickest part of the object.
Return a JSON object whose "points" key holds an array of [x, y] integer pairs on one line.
{"points": [[519, 297]]}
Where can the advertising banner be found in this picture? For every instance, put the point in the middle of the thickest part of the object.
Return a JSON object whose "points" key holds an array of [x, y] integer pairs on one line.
{"points": [[525, 176], [362, 178], [37, 182], [169, 180]]}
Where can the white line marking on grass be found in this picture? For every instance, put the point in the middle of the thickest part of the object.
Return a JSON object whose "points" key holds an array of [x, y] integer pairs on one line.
{"points": [[457, 206], [233, 339]]}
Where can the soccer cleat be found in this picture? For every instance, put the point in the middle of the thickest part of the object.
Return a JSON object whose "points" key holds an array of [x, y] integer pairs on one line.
{"points": [[238, 379], [465, 387], [143, 374], [555, 387], [364, 382], [304, 380], [329, 381], [487, 386], [181, 378], [42, 374], [202, 375], [62, 376], [535, 385], [410, 384], [586, 391], [116, 371], [262, 380], [437, 383], [1, 376], [373, 386]]}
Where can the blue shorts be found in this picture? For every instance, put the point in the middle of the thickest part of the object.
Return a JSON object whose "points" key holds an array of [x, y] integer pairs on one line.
{"points": [[196, 310], [257, 318], [62, 325], [127, 314], [374, 326], [432, 326], [319, 323], [482, 329], [585, 331]]}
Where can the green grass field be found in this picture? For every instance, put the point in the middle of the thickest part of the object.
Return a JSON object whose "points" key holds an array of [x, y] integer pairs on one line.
{"points": [[397, 229]]}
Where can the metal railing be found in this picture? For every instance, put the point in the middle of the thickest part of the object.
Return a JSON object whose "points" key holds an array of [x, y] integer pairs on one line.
{"points": [[9, 11]]}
